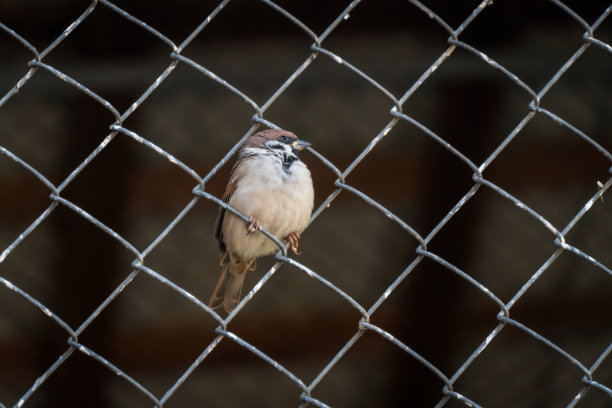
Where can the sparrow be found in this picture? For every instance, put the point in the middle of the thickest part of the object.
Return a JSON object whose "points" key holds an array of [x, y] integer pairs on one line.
{"points": [[271, 186]]}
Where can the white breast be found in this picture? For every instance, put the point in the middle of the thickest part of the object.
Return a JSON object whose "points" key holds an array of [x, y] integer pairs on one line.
{"points": [[280, 200]]}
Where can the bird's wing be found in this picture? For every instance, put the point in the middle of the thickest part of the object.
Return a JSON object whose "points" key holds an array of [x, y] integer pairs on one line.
{"points": [[229, 190]]}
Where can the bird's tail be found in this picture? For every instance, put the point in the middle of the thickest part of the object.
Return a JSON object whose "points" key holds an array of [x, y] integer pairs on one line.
{"points": [[229, 286]]}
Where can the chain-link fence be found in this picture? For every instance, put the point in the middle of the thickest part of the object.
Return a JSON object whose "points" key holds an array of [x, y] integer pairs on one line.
{"points": [[82, 304]]}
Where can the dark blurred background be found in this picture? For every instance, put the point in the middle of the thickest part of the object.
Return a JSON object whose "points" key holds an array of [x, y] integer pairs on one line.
{"points": [[153, 334]]}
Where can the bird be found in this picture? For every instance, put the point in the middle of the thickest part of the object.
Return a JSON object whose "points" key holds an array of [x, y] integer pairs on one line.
{"points": [[273, 187]]}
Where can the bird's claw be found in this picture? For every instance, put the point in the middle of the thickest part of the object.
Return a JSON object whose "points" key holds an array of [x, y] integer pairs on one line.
{"points": [[252, 226], [293, 240]]}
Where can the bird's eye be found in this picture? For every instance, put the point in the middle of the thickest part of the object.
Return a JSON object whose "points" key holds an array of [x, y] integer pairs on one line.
{"points": [[283, 139]]}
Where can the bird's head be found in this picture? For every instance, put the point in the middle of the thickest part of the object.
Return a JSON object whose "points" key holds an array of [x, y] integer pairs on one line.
{"points": [[276, 140]]}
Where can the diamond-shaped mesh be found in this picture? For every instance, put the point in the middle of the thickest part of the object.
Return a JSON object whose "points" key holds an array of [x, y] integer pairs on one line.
{"points": [[503, 293]]}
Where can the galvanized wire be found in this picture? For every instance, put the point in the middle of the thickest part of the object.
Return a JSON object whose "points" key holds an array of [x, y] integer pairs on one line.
{"points": [[448, 389]]}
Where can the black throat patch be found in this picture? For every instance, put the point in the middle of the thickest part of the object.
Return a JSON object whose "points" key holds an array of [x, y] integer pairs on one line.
{"points": [[288, 161]]}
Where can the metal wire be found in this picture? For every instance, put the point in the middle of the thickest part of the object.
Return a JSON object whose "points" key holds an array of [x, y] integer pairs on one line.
{"points": [[448, 389]]}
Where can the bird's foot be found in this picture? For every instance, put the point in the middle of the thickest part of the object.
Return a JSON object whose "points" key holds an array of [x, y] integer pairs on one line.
{"points": [[252, 226], [293, 240]]}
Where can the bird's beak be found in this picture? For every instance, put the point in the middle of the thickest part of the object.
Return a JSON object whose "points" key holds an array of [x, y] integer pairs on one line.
{"points": [[300, 145]]}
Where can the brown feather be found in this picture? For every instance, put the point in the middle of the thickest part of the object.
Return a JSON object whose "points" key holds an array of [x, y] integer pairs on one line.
{"points": [[229, 190], [229, 286]]}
